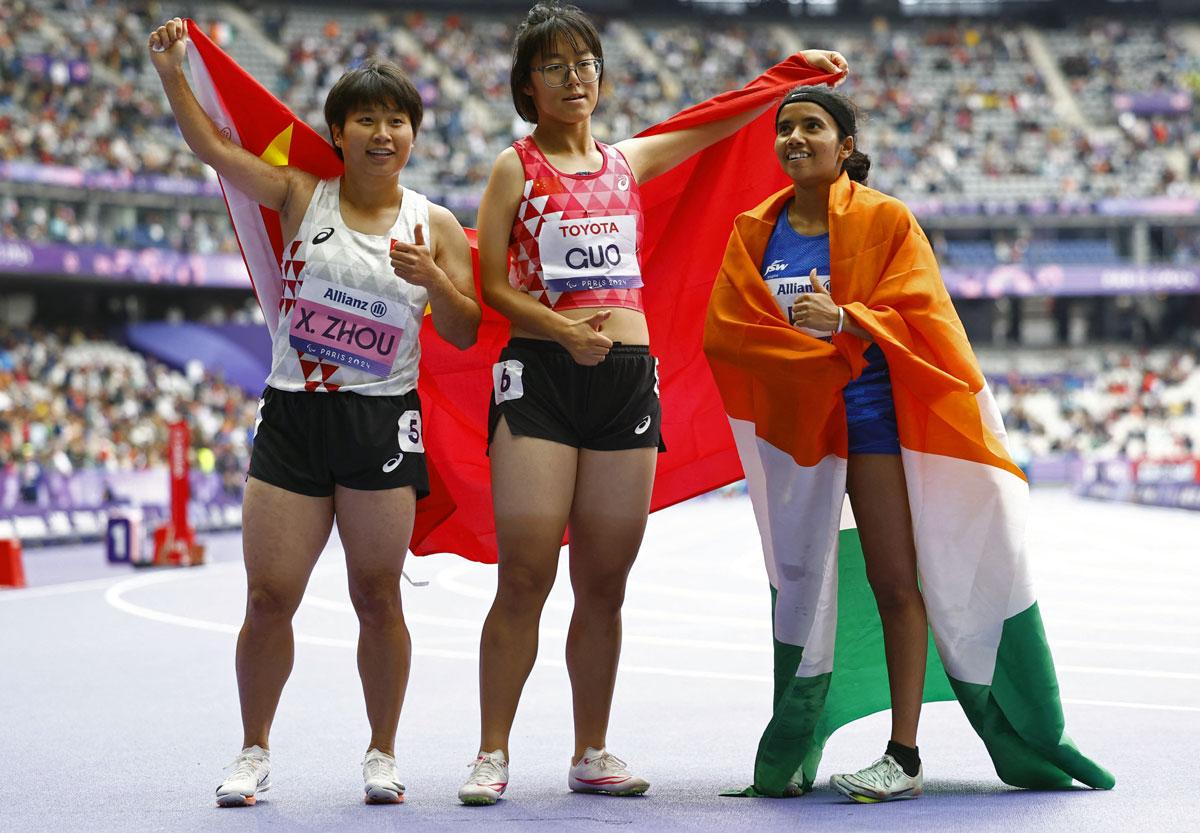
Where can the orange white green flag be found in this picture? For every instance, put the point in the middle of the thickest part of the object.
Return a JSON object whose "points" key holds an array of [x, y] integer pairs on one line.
{"points": [[782, 393]]}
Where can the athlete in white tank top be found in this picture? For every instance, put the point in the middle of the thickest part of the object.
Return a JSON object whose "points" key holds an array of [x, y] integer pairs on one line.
{"points": [[349, 319], [346, 323]]}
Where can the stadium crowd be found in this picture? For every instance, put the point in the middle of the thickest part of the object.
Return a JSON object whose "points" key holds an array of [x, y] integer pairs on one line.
{"points": [[955, 110], [1103, 405], [72, 401]]}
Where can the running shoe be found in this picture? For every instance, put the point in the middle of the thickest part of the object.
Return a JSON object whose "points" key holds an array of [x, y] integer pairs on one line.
{"points": [[599, 771], [249, 778], [381, 779], [884, 780], [489, 778]]}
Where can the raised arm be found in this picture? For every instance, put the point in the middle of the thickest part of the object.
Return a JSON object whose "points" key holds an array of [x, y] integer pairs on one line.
{"points": [[650, 156], [499, 205], [271, 186], [444, 269]]}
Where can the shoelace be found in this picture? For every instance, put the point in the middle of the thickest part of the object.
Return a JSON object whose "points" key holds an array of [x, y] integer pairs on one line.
{"points": [[244, 765], [608, 762], [486, 768], [881, 773], [379, 767]]}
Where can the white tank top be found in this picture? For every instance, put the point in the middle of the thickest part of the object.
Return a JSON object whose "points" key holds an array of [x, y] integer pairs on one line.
{"points": [[346, 322]]}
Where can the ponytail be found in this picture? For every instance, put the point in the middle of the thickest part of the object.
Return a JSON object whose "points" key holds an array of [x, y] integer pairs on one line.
{"points": [[857, 165]]}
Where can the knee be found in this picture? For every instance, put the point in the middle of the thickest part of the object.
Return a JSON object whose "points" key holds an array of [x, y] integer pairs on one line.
{"points": [[266, 604], [896, 594], [601, 594], [376, 600], [522, 589]]}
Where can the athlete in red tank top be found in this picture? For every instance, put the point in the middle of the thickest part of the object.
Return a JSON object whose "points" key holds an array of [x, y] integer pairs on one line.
{"points": [[590, 227]]}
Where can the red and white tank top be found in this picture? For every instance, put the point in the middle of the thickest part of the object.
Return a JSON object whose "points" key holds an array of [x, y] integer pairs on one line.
{"points": [[346, 322], [577, 238]]}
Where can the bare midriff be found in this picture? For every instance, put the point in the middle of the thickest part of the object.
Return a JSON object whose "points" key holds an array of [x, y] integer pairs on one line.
{"points": [[627, 326]]}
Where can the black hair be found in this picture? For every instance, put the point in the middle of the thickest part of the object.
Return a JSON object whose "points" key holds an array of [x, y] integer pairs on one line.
{"points": [[844, 114], [374, 83], [545, 26]]}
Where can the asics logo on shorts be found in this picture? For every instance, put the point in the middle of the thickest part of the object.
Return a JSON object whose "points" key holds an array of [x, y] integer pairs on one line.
{"points": [[643, 425], [390, 465]]}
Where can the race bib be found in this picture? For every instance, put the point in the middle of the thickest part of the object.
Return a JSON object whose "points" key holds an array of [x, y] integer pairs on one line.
{"points": [[355, 329], [506, 380], [787, 290], [590, 253]]}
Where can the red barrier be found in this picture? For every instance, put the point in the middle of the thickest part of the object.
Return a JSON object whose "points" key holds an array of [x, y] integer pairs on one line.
{"points": [[12, 569], [175, 541]]}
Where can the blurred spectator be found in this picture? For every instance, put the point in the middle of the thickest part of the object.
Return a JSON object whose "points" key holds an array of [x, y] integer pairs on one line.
{"points": [[70, 402]]}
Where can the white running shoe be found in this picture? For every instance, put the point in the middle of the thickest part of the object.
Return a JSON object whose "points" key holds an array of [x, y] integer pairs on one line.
{"points": [[250, 778], [884, 780], [381, 779], [599, 771], [489, 778]]}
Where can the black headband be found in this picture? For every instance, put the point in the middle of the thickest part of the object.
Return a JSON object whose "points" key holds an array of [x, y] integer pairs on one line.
{"points": [[832, 104]]}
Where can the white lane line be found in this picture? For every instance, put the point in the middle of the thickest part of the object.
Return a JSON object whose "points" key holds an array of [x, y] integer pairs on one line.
{"points": [[1111, 703], [22, 593], [116, 593], [449, 580], [1109, 609], [757, 647], [1052, 622], [115, 597], [1128, 672], [1117, 646]]}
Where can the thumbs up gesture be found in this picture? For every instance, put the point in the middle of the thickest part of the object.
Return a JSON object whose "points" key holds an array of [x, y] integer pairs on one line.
{"points": [[414, 263], [584, 340], [815, 310]]}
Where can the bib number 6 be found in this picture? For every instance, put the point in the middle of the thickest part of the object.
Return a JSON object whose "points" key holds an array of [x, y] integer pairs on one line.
{"points": [[506, 380]]}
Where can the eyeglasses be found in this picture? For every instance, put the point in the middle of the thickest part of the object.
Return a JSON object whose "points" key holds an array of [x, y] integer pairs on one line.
{"points": [[557, 75]]}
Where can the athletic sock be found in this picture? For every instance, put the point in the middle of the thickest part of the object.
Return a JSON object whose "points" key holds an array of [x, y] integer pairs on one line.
{"points": [[907, 756]]}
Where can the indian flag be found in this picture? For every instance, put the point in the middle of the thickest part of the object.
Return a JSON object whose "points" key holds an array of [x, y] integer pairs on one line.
{"points": [[782, 394]]}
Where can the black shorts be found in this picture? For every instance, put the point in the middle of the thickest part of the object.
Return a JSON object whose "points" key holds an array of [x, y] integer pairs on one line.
{"points": [[541, 392], [307, 442]]}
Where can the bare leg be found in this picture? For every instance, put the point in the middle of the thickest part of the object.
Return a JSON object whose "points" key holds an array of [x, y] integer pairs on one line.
{"points": [[283, 533], [879, 498], [375, 528], [533, 482], [607, 524]]}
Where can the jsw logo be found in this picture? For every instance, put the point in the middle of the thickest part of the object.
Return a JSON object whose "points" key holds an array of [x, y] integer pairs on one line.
{"points": [[777, 266]]}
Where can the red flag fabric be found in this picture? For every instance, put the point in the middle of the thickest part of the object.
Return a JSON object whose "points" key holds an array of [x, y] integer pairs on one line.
{"points": [[689, 212]]}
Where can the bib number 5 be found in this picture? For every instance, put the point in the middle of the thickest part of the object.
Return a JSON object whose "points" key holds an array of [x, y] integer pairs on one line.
{"points": [[409, 436]]}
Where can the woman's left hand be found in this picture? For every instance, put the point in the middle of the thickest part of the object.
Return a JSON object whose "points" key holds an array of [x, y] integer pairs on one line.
{"points": [[828, 61], [414, 262], [815, 310]]}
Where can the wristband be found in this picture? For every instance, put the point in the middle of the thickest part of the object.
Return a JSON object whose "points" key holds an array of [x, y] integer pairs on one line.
{"points": [[841, 321]]}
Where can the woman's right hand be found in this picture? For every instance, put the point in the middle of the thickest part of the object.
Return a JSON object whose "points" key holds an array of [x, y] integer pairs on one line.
{"points": [[584, 341], [168, 45]]}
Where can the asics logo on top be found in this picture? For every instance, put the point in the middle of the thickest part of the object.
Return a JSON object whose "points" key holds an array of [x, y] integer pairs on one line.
{"points": [[777, 266], [323, 235], [623, 182], [643, 425]]}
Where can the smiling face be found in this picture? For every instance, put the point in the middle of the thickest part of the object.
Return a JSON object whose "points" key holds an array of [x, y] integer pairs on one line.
{"points": [[575, 100], [375, 140], [807, 144]]}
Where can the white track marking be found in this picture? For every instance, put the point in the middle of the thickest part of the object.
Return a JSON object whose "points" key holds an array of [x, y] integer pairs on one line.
{"points": [[1121, 705], [23, 593], [476, 625], [449, 580], [1118, 646], [1128, 672]]}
